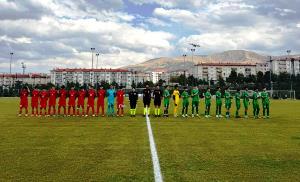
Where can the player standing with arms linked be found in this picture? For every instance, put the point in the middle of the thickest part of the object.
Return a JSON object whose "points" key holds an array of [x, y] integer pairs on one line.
{"points": [[72, 101], [111, 94], [52, 101], [237, 103], [207, 97], [120, 101], [227, 102], [24, 100], [176, 98], [91, 101], [147, 100], [218, 103], [185, 102], [266, 103], [195, 101], [157, 100], [166, 96], [62, 101], [100, 102], [43, 101], [245, 96], [35, 101], [255, 104], [133, 98], [80, 101]]}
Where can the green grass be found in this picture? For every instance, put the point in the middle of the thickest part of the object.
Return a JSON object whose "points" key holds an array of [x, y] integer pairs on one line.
{"points": [[117, 149]]}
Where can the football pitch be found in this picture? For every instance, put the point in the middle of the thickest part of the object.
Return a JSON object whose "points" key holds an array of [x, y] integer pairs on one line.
{"points": [[117, 149]]}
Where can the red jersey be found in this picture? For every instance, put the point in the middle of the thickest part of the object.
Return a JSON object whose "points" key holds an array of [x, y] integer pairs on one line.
{"points": [[52, 97], [72, 97], [120, 96], [91, 97], [101, 96], [24, 98], [43, 98], [62, 97], [35, 98], [81, 97]]}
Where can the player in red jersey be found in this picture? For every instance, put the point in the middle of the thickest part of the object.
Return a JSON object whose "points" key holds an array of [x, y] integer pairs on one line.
{"points": [[62, 102], [35, 101], [80, 101], [43, 101], [91, 101], [100, 102], [120, 102], [24, 100], [72, 101], [52, 101]]}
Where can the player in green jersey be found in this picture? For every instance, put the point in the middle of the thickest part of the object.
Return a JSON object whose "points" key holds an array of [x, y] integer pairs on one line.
{"points": [[227, 102], [207, 96], [195, 101], [166, 96], [265, 103], [237, 103], [255, 103], [185, 102], [245, 96], [218, 103]]}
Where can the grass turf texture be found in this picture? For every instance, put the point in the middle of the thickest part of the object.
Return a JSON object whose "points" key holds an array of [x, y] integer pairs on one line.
{"points": [[117, 149]]}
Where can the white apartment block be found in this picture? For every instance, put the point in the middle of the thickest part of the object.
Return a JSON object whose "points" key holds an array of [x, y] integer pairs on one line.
{"points": [[87, 76], [31, 78], [213, 71], [289, 65], [141, 77], [156, 76]]}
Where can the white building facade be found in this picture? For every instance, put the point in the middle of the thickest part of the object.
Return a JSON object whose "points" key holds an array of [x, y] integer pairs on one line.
{"points": [[289, 65], [31, 78], [91, 76]]}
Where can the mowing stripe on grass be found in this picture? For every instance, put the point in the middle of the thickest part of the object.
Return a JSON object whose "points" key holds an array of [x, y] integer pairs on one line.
{"points": [[155, 161]]}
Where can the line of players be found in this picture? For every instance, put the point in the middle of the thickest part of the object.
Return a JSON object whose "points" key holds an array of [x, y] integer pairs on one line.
{"points": [[41, 99]]}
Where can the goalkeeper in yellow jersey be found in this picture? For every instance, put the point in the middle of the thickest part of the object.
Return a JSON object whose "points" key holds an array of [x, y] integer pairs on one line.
{"points": [[176, 98]]}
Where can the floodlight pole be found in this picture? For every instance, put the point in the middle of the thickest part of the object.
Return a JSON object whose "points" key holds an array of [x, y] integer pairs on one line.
{"points": [[97, 60], [10, 62], [184, 71], [92, 50]]}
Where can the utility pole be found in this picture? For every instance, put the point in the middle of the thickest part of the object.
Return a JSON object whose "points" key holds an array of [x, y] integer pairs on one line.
{"points": [[193, 50], [271, 70]]}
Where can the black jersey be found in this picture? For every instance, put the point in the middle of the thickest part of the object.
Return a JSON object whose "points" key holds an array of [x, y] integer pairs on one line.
{"points": [[133, 96], [147, 94], [157, 94]]}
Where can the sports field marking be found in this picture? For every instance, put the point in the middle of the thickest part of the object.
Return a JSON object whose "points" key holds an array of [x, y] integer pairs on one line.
{"points": [[155, 160]]}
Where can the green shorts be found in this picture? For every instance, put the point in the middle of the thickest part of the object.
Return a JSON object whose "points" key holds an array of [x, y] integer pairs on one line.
{"points": [[166, 102]]}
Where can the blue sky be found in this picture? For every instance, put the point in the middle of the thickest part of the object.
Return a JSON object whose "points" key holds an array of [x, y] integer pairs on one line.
{"points": [[51, 33]]}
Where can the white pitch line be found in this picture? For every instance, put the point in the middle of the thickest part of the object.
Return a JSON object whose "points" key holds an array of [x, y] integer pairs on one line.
{"points": [[155, 160]]}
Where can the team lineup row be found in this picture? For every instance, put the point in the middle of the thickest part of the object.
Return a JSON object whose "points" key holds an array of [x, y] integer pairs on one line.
{"points": [[41, 99]]}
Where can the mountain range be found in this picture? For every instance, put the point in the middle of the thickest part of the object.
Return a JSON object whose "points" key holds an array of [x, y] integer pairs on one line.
{"points": [[169, 64]]}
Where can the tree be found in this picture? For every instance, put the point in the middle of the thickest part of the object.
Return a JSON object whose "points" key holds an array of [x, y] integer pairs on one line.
{"points": [[133, 85], [221, 82], [232, 77]]}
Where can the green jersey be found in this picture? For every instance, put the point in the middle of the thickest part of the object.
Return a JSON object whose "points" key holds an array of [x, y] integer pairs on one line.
{"points": [[255, 97], [237, 97], [207, 98], [185, 97], [166, 95], [265, 97], [245, 96], [218, 97], [227, 97], [195, 95]]}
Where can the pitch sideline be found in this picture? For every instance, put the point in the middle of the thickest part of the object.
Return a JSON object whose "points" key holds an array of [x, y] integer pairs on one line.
{"points": [[154, 156]]}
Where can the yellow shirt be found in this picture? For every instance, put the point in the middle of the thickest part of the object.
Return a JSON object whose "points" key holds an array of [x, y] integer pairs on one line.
{"points": [[176, 94]]}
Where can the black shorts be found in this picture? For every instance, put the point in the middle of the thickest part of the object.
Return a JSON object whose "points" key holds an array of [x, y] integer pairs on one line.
{"points": [[133, 105], [147, 102], [157, 102]]}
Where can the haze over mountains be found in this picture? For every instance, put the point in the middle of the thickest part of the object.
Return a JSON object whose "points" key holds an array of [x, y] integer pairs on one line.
{"points": [[167, 64]]}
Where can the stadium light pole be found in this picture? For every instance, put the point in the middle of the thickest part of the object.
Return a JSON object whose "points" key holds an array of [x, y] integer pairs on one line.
{"points": [[92, 50], [97, 55], [271, 70], [288, 53], [23, 67], [10, 62], [193, 50], [184, 70]]}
